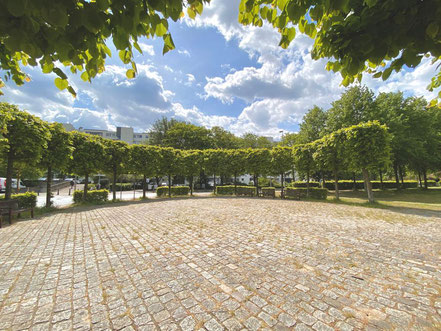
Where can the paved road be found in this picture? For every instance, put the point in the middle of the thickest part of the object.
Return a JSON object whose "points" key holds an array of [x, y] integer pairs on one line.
{"points": [[221, 263], [63, 199]]}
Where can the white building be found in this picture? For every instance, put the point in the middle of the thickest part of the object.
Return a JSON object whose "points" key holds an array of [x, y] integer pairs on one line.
{"points": [[122, 133]]}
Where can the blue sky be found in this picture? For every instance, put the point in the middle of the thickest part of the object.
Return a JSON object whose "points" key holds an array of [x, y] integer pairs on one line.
{"points": [[221, 73]]}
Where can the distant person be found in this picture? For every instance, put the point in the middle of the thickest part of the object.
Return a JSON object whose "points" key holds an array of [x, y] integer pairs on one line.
{"points": [[72, 183]]}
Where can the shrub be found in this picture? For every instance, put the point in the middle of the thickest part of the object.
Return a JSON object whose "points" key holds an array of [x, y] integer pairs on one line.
{"points": [[94, 196], [303, 184], [269, 192], [301, 193], [241, 190], [376, 184], [175, 190], [25, 200]]}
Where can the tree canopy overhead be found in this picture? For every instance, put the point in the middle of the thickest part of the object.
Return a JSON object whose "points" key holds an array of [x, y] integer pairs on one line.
{"points": [[357, 36], [74, 32]]}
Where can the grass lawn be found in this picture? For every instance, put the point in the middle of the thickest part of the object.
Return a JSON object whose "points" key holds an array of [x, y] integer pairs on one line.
{"points": [[429, 200]]}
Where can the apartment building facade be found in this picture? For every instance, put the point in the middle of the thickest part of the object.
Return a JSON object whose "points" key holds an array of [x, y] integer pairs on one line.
{"points": [[126, 134]]}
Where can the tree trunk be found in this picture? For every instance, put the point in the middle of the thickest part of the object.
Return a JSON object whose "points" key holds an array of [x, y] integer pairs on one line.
{"points": [[9, 169], [86, 186], [282, 182], [293, 175], [323, 179], [419, 179], [337, 192], [381, 179], [48, 187], [256, 183], [214, 183], [169, 186], [426, 186], [17, 189], [114, 184], [134, 188], [368, 185], [190, 179], [144, 186], [235, 184], [397, 180], [355, 182], [307, 183], [400, 168]]}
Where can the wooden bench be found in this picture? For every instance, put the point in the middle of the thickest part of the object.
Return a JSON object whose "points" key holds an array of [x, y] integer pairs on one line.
{"points": [[9, 208]]}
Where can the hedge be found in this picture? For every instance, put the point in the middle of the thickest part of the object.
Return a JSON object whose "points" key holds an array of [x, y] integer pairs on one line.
{"points": [[94, 196], [303, 184], [301, 192], [175, 190], [376, 184], [25, 200], [241, 190], [269, 192]]}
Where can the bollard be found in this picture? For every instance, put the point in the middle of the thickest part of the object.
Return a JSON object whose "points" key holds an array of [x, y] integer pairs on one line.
{"points": [[58, 192]]}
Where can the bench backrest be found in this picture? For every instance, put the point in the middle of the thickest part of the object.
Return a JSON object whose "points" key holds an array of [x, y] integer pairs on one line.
{"points": [[8, 204]]}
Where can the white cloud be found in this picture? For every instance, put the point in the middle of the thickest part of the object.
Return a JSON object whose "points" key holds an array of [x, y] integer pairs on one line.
{"points": [[147, 49], [287, 82], [184, 52], [411, 83], [195, 116], [190, 80]]}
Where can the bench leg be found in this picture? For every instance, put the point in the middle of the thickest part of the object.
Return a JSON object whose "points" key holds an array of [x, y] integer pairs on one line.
{"points": [[32, 212], [18, 215]]}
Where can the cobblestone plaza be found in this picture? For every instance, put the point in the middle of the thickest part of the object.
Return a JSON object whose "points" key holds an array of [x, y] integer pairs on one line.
{"points": [[221, 263]]}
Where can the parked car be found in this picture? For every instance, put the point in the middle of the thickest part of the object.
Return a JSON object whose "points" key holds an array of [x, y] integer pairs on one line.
{"points": [[83, 180], [14, 184]]}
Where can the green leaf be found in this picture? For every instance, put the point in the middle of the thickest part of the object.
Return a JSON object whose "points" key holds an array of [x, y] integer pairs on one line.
{"points": [[47, 67], [59, 73], [102, 4], [85, 76], [291, 33], [125, 56], [131, 74], [386, 73], [378, 74], [61, 83], [281, 4], [16, 7], [432, 30], [199, 8], [168, 43], [161, 29], [72, 91], [191, 13], [370, 3], [138, 48]]}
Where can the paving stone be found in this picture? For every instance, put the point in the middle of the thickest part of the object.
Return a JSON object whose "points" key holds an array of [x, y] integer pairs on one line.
{"points": [[287, 320], [251, 264], [213, 325], [188, 324]]}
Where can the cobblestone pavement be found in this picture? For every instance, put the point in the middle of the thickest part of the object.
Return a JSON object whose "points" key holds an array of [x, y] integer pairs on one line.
{"points": [[220, 263]]}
